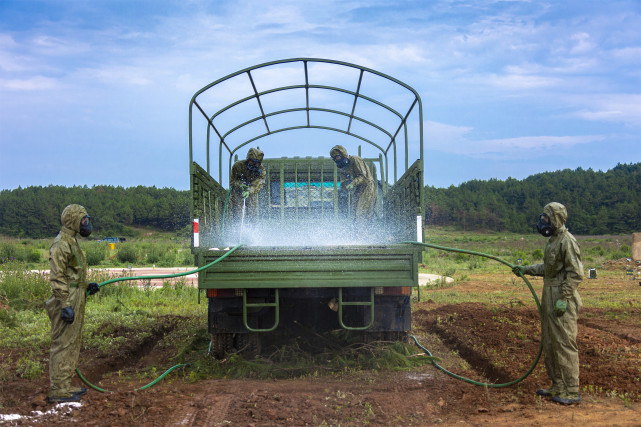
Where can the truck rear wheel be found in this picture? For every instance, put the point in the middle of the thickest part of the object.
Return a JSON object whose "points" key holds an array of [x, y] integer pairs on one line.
{"points": [[248, 345], [221, 345]]}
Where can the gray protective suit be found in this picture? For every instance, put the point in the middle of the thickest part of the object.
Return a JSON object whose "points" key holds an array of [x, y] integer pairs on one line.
{"points": [[240, 176], [562, 273], [364, 196], [68, 279]]}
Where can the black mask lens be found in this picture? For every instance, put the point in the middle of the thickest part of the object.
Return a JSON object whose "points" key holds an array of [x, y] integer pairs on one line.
{"points": [[543, 226], [253, 165], [341, 162], [85, 227]]}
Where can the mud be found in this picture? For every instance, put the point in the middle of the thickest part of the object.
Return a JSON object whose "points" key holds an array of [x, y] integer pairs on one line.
{"points": [[487, 343]]}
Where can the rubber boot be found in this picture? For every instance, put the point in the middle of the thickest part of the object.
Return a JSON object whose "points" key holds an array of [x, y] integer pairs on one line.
{"points": [[548, 392], [77, 390], [567, 399], [66, 397]]}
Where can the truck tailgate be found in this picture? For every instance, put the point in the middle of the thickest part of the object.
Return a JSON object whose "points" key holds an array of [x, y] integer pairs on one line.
{"points": [[309, 267]]}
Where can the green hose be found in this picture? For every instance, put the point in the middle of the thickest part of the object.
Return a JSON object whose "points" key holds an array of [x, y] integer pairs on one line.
{"points": [[162, 276], [102, 390], [536, 299], [167, 276]]}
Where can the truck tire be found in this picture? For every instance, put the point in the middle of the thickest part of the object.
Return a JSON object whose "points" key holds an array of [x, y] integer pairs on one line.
{"points": [[221, 345], [247, 345]]}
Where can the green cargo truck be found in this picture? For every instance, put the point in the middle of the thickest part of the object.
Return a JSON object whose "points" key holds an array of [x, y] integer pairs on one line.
{"points": [[301, 265]]}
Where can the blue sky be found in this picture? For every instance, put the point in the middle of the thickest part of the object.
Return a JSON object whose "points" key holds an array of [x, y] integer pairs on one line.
{"points": [[97, 92]]}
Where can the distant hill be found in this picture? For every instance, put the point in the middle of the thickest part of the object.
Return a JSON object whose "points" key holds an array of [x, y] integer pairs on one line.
{"points": [[597, 202]]}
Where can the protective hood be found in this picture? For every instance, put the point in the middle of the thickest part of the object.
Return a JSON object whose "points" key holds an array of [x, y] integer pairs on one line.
{"points": [[558, 215], [338, 149], [71, 216], [256, 154]]}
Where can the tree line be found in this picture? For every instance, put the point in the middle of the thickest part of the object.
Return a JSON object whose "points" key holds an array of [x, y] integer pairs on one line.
{"points": [[35, 211], [597, 202]]}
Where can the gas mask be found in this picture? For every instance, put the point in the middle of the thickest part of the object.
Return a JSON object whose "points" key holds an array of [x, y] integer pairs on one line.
{"points": [[341, 161], [85, 226], [543, 226], [253, 166]]}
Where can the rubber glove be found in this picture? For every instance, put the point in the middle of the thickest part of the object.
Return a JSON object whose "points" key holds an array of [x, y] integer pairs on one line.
{"points": [[93, 288], [244, 190], [67, 315], [560, 307], [519, 270]]}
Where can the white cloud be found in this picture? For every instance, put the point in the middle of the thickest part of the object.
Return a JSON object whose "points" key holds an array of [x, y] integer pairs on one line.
{"points": [[533, 143], [615, 108], [458, 140], [29, 84], [513, 81], [582, 44], [119, 75]]}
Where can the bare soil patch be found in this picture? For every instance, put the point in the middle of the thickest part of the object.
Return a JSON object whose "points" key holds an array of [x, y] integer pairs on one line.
{"points": [[487, 343]]}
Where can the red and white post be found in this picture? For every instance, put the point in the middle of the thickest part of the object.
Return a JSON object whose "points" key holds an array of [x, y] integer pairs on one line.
{"points": [[196, 235]]}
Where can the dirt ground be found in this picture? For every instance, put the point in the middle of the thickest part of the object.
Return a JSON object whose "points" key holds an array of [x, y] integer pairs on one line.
{"points": [[495, 343]]}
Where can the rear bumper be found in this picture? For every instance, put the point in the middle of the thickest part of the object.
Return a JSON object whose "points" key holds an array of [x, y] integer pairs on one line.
{"points": [[309, 308]]}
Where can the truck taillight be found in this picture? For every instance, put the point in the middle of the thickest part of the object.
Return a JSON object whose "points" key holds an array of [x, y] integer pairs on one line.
{"points": [[224, 293], [395, 290]]}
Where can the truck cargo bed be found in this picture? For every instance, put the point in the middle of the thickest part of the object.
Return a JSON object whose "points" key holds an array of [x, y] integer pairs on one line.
{"points": [[311, 267]]}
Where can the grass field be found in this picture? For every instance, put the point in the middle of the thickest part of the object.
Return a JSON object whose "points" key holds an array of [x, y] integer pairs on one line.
{"points": [[125, 307], [482, 324]]}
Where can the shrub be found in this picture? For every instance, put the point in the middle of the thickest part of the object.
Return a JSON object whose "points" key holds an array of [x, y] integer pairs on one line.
{"points": [[537, 254], [29, 368], [95, 253], [34, 256], [11, 252], [21, 288], [153, 256], [127, 254], [187, 258]]}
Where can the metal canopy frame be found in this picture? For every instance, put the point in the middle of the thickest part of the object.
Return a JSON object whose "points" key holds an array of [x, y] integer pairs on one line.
{"points": [[392, 134]]}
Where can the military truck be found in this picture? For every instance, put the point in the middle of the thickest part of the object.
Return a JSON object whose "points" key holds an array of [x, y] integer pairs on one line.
{"points": [[301, 266]]}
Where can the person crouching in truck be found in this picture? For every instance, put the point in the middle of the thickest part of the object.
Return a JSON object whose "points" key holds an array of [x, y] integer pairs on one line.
{"points": [[66, 307], [247, 178], [356, 178]]}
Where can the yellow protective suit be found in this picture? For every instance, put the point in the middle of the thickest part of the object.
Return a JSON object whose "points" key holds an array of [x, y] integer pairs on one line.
{"points": [[68, 279], [562, 272], [241, 177], [357, 173]]}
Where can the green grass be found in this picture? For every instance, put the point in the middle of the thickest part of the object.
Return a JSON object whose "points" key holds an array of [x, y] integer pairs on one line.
{"points": [[121, 313], [154, 248]]}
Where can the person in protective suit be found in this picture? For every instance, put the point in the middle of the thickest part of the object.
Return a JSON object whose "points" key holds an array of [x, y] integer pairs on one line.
{"points": [[66, 306], [357, 178], [562, 273], [247, 178]]}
